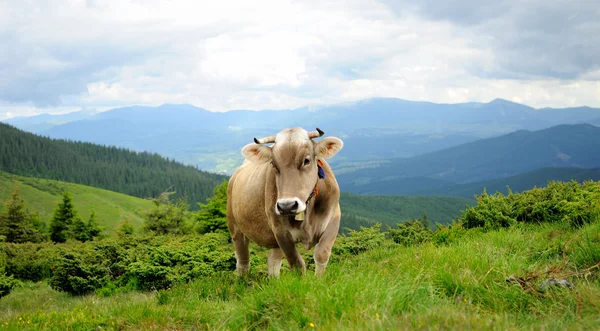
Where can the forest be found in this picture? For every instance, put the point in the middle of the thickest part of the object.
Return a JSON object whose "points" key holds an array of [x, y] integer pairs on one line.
{"points": [[139, 174]]}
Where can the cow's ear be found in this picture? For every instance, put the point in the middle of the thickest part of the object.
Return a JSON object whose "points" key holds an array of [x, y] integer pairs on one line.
{"points": [[257, 153], [328, 147]]}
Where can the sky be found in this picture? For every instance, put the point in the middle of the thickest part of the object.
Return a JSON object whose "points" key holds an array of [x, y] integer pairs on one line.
{"points": [[62, 56]]}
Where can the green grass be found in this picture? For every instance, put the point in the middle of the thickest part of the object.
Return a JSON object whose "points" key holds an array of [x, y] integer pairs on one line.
{"points": [[42, 196], [461, 285]]}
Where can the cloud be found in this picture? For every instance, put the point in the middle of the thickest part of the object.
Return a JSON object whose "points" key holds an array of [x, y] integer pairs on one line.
{"points": [[276, 54]]}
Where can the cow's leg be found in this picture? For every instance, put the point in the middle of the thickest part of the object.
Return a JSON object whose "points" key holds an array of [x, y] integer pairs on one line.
{"points": [[240, 243], [288, 246], [275, 258], [323, 248], [242, 253]]}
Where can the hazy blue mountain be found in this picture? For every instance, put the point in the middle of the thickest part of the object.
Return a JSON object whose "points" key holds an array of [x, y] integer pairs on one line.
{"points": [[42, 122], [424, 186], [517, 183], [373, 129], [486, 159]]}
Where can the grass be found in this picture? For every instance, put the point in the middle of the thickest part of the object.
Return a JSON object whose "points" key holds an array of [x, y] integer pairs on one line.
{"points": [[42, 196], [461, 285]]}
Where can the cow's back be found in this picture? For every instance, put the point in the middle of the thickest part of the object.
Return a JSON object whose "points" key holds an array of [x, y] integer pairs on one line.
{"points": [[246, 203]]}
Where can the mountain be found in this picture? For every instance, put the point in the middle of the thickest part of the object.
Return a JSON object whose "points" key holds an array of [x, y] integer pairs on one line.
{"points": [[518, 183], [486, 159], [423, 186], [142, 175], [373, 129], [42, 122], [42, 196]]}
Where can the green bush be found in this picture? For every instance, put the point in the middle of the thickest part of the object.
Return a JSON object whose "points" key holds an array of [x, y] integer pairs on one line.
{"points": [[411, 232], [31, 261], [358, 241], [178, 261], [7, 283], [448, 234], [571, 202], [80, 271]]}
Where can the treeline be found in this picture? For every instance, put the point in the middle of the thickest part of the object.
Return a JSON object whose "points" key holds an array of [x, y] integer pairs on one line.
{"points": [[139, 174]]}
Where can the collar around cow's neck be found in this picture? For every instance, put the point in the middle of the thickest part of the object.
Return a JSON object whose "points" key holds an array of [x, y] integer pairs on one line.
{"points": [[320, 175]]}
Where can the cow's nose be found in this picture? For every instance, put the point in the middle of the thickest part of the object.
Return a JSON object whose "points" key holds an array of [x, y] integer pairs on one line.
{"points": [[286, 207]]}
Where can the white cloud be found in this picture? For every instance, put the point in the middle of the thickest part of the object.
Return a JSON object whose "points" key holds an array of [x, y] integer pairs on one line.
{"points": [[275, 54]]}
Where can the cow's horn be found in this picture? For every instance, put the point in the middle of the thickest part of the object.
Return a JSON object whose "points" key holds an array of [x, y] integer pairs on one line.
{"points": [[265, 140], [316, 134]]}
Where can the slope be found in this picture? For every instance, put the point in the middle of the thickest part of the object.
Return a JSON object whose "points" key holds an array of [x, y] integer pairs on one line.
{"points": [[42, 196], [486, 159], [139, 174], [360, 210]]}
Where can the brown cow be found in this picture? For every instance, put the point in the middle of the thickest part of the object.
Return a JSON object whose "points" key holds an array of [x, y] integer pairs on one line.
{"points": [[284, 194]]}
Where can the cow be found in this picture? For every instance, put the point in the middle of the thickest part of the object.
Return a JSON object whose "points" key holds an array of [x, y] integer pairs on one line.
{"points": [[284, 194]]}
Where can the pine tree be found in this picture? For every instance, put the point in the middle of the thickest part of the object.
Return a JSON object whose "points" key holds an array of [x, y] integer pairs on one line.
{"points": [[80, 230], [212, 215], [125, 228], [167, 217], [16, 223], [92, 226], [64, 216]]}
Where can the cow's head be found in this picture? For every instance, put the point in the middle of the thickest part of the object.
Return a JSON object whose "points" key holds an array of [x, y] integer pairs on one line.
{"points": [[293, 159]]}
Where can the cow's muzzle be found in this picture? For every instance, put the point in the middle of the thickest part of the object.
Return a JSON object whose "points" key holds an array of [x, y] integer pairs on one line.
{"points": [[289, 206]]}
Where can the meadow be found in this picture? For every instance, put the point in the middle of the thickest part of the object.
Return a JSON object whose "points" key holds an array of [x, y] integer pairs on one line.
{"points": [[459, 285], [522, 261]]}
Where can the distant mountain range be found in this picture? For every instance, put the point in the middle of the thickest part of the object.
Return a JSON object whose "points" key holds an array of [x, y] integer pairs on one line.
{"points": [[423, 186], [443, 172], [43, 122], [373, 129]]}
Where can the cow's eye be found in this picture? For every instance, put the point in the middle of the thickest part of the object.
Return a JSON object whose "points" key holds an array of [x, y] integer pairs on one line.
{"points": [[306, 161]]}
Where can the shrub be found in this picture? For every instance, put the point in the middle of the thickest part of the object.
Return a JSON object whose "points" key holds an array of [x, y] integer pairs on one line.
{"points": [[7, 283], [448, 235], [178, 261], [80, 271], [571, 202], [85, 268], [411, 232], [358, 241], [31, 261]]}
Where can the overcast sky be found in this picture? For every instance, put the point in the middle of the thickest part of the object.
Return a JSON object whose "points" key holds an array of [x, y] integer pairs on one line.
{"points": [[59, 56]]}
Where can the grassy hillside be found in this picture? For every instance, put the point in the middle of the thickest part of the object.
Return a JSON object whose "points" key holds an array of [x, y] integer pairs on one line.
{"points": [[139, 174], [391, 210], [487, 159], [461, 285], [43, 195]]}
